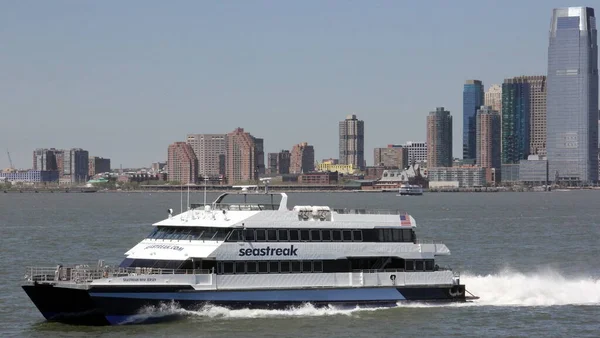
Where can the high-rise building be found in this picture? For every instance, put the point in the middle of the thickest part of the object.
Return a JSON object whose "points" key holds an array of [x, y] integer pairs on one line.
{"points": [[45, 159], [211, 150], [352, 141], [391, 157], [515, 120], [182, 163], [302, 158], [98, 165], [488, 138], [473, 98], [537, 114], [75, 165], [279, 163], [417, 152], [439, 138], [572, 99], [244, 153], [493, 97]]}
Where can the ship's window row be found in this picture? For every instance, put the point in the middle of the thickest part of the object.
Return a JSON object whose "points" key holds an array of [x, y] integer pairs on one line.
{"points": [[283, 235], [322, 235], [325, 266]]}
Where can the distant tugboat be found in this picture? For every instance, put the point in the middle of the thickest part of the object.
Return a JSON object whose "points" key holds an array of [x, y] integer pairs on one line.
{"points": [[410, 190]]}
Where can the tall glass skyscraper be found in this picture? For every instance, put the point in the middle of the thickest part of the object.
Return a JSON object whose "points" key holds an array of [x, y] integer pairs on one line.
{"points": [[515, 120], [473, 98], [572, 97]]}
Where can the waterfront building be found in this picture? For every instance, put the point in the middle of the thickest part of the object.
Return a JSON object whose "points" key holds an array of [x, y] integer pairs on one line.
{"points": [[245, 157], [302, 158], [493, 97], [533, 170], [572, 98], [321, 178], [75, 166], [211, 150], [352, 141], [488, 141], [510, 173], [460, 177], [182, 163], [391, 157], [98, 165], [279, 163], [473, 98], [439, 138], [345, 169], [417, 151], [515, 120], [30, 176]]}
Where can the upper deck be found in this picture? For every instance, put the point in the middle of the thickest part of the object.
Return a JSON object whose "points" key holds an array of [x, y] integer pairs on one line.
{"points": [[271, 215]]}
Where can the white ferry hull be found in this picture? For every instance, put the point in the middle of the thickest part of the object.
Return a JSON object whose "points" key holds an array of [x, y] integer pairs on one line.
{"points": [[126, 305]]}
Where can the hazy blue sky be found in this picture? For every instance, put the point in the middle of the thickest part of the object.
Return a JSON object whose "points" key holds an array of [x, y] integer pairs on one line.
{"points": [[124, 79]]}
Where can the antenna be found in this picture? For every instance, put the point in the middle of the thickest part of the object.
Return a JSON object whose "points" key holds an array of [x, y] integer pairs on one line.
{"points": [[205, 179]]}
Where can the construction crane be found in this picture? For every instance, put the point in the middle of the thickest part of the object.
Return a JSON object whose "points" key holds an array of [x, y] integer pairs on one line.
{"points": [[10, 160]]}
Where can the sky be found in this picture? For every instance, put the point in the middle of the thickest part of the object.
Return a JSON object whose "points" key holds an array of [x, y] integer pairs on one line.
{"points": [[124, 79]]}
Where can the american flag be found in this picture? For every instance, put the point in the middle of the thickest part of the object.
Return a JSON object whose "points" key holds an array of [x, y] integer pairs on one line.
{"points": [[405, 220]]}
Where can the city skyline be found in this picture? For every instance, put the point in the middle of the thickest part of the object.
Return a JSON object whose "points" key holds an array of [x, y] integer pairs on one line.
{"points": [[63, 77]]}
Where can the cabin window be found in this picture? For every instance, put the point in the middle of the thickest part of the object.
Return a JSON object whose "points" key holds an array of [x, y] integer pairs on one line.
{"points": [[249, 235], [261, 235], [337, 235], [294, 235], [251, 267], [273, 266], [228, 267], [304, 235], [240, 267], [326, 235], [407, 235], [347, 234], [409, 265], [296, 266], [272, 235], [315, 235], [283, 235], [419, 265], [306, 266], [284, 266], [236, 235], [357, 234], [220, 235], [397, 235], [429, 265], [263, 267], [318, 266]]}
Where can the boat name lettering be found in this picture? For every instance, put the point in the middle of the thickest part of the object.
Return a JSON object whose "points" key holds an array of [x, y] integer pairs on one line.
{"points": [[268, 251], [139, 279], [164, 246]]}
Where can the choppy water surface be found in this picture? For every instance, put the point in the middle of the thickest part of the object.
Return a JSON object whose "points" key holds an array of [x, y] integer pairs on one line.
{"points": [[531, 257]]}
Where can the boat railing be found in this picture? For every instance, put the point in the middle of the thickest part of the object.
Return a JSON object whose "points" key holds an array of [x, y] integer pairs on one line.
{"points": [[87, 274], [237, 206], [369, 211], [428, 241]]}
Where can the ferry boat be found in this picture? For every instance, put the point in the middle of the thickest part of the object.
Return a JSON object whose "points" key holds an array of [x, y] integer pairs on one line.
{"points": [[253, 255], [410, 190]]}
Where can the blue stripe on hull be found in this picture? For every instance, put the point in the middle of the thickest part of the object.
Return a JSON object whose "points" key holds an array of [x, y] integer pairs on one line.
{"points": [[306, 295]]}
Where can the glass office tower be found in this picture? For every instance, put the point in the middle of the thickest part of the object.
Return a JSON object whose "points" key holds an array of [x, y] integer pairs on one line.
{"points": [[572, 96], [473, 99]]}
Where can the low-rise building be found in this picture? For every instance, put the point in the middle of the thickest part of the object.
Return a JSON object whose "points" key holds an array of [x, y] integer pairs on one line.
{"points": [[30, 176], [323, 178], [465, 176], [534, 170], [345, 169], [510, 173]]}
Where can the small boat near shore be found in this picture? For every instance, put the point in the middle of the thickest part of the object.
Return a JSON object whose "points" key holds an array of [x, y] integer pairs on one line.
{"points": [[410, 190]]}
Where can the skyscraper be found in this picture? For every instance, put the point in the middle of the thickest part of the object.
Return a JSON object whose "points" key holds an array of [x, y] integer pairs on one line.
{"points": [[352, 141], [75, 165], [572, 99], [515, 120], [473, 98], [391, 157], [302, 158], [439, 138], [210, 149], [493, 97], [98, 165], [182, 163], [243, 156], [488, 138], [279, 163], [44, 159], [537, 114]]}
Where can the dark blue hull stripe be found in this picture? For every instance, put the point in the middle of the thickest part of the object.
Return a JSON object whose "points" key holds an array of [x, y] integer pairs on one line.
{"points": [[307, 295]]}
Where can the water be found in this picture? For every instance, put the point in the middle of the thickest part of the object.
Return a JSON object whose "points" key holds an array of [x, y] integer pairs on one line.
{"points": [[531, 257]]}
